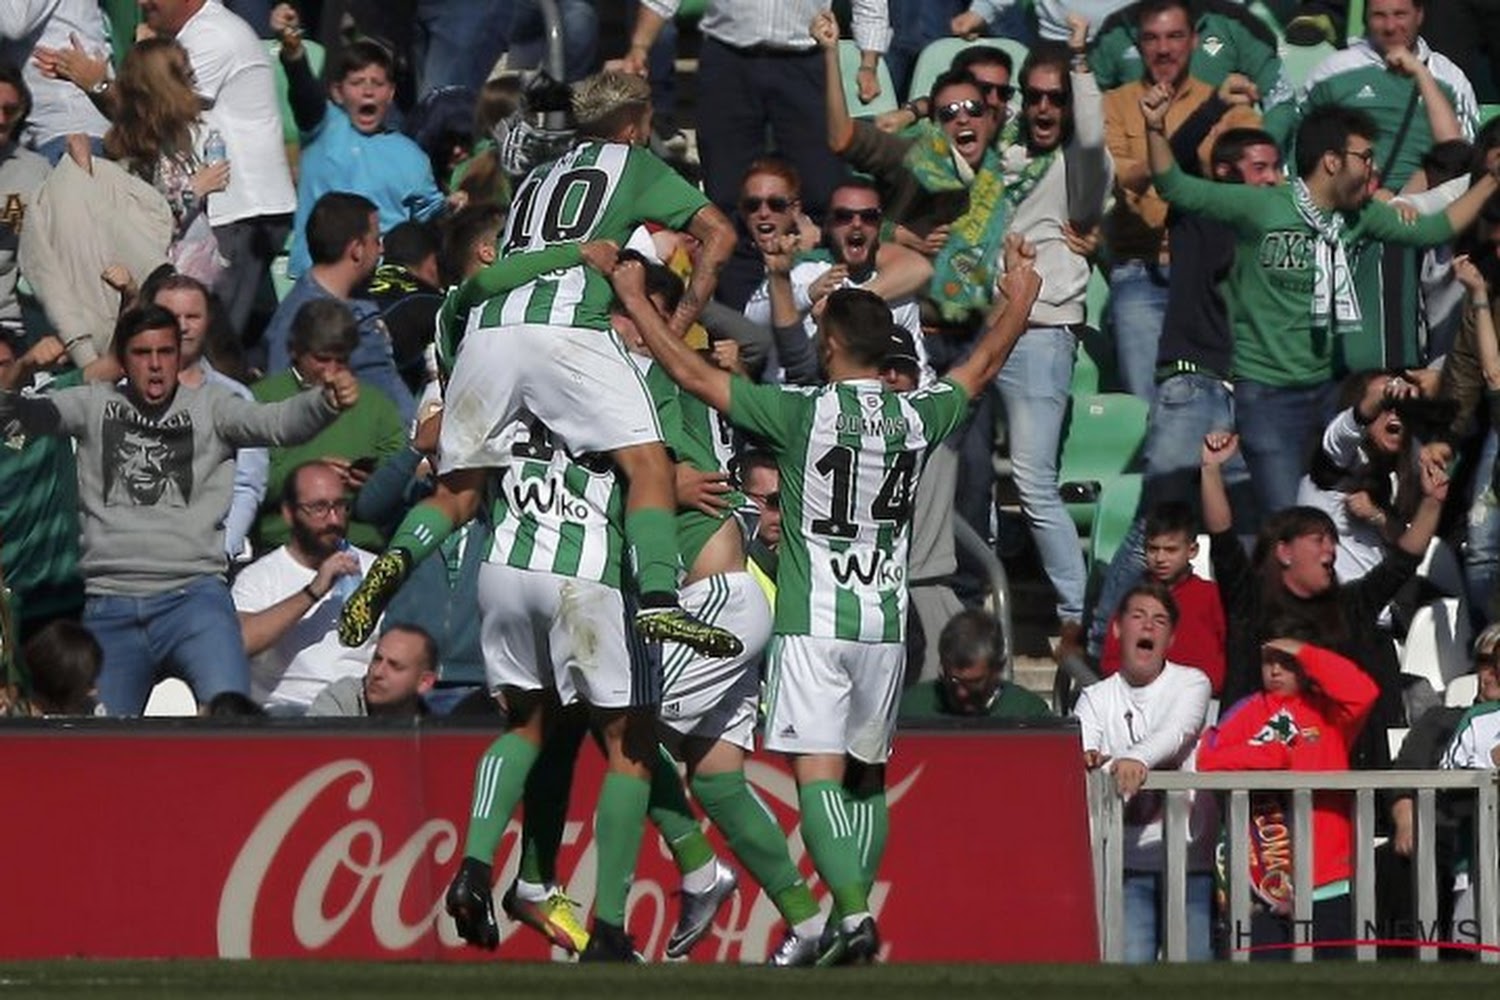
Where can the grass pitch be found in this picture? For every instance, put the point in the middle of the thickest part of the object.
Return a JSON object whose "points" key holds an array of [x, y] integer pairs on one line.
{"points": [[511, 981]]}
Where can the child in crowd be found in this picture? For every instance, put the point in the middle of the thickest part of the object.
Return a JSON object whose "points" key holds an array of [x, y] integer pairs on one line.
{"points": [[1310, 709], [348, 143], [1171, 546]]}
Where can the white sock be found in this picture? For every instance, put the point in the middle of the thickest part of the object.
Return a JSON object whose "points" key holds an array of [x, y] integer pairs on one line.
{"points": [[533, 892], [700, 879]]}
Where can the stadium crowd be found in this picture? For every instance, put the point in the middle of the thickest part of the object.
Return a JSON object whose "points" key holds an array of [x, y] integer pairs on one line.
{"points": [[290, 293]]}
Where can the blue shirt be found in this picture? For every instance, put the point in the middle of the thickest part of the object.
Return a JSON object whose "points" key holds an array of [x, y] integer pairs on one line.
{"points": [[372, 360], [385, 167]]}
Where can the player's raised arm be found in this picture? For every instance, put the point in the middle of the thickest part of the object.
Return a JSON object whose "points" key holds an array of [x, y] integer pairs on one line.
{"points": [[1019, 289], [715, 234], [706, 381]]}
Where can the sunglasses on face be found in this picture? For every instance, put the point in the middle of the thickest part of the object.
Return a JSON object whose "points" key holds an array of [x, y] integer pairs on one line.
{"points": [[749, 205], [1035, 95], [1005, 90], [952, 110], [772, 499], [844, 216]]}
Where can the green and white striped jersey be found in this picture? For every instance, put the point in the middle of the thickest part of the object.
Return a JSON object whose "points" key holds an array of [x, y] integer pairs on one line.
{"points": [[698, 435], [557, 513], [850, 455], [595, 191]]}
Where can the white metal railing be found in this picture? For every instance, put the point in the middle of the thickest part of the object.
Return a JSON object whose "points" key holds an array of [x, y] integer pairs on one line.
{"points": [[1107, 833]]}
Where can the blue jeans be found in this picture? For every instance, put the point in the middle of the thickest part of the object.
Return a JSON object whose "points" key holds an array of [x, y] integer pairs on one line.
{"points": [[1482, 536], [1145, 916], [1137, 307], [1279, 428], [191, 633], [456, 44], [915, 23], [1034, 387], [580, 37], [1186, 407]]}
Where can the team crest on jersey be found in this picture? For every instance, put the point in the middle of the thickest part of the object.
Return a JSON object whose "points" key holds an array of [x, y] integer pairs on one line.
{"points": [[1213, 45], [1279, 728], [1365, 93]]}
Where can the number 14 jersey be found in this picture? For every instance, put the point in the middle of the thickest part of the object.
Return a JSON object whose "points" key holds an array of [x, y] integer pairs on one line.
{"points": [[850, 454]]}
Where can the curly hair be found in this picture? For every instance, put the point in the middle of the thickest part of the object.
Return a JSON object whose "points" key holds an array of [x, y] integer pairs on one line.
{"points": [[157, 106]]}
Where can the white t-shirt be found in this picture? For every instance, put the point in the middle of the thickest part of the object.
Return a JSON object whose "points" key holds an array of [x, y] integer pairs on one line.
{"points": [[309, 656], [235, 78], [1157, 724], [904, 312], [58, 106]]}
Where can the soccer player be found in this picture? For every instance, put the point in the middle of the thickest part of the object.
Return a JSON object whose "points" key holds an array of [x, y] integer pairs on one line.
{"points": [[546, 349], [709, 704], [553, 630], [850, 454]]}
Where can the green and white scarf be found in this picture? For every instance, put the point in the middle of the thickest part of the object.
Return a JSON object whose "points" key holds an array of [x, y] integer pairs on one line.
{"points": [[963, 277], [1335, 307]]}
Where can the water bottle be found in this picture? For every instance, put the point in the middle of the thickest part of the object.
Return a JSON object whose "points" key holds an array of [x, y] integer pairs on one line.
{"points": [[214, 149], [345, 586]]}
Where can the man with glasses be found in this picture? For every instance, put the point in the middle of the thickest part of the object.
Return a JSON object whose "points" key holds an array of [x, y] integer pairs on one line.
{"points": [[1292, 280], [786, 300], [971, 650], [288, 601], [1417, 97], [1136, 230]]}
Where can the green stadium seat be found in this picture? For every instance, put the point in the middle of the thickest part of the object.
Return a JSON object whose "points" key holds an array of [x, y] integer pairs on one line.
{"points": [[1118, 500], [1298, 60], [936, 57], [849, 68], [1101, 443], [315, 59], [1488, 111]]}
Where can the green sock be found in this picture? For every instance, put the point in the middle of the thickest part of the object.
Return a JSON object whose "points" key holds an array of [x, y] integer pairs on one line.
{"points": [[652, 534], [756, 839], [499, 781], [873, 824], [619, 824], [670, 813], [548, 788], [828, 829], [421, 531]]}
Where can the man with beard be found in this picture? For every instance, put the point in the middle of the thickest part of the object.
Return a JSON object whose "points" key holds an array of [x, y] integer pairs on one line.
{"points": [[786, 300], [1056, 174], [289, 600], [1137, 227]]}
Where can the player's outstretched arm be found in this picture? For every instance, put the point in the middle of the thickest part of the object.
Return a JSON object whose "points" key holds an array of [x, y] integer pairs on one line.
{"points": [[706, 381], [713, 230], [1019, 289]]}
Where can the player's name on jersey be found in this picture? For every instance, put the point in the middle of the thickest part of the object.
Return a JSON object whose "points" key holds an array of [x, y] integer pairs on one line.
{"points": [[853, 423]]}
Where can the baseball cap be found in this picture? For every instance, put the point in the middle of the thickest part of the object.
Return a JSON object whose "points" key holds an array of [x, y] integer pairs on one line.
{"points": [[902, 351]]}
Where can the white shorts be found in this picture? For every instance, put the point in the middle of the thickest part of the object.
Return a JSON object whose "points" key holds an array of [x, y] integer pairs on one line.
{"points": [[579, 383], [716, 698], [833, 696], [541, 630]]}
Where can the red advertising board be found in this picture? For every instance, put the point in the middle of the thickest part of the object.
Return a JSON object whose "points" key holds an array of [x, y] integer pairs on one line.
{"points": [[339, 844]]}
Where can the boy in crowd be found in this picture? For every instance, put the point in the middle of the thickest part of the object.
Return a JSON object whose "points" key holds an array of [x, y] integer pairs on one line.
{"points": [[1198, 641]]}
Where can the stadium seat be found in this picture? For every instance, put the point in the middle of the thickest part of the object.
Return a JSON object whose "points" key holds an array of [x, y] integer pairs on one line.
{"points": [[280, 280], [1437, 643], [1118, 499], [315, 58], [1461, 691], [849, 67], [171, 698], [1100, 444], [1298, 61], [934, 59], [1488, 111]]}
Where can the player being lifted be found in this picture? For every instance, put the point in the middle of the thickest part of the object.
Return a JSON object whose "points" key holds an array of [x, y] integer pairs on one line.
{"points": [[850, 453], [708, 703], [546, 349]]}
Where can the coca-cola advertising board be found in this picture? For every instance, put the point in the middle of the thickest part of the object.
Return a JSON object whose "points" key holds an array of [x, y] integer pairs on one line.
{"points": [[339, 844]]}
